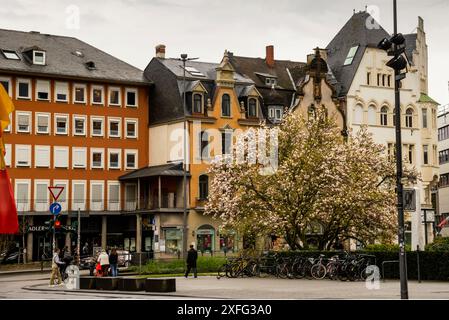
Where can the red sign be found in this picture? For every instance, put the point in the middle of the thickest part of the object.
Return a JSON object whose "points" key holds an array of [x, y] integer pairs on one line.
{"points": [[56, 192]]}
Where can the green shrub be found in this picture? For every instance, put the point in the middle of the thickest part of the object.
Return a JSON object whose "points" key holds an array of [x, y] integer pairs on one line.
{"points": [[440, 244], [177, 266]]}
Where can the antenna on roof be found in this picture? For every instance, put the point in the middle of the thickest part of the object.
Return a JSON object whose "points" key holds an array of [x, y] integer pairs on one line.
{"points": [[366, 8], [353, 11]]}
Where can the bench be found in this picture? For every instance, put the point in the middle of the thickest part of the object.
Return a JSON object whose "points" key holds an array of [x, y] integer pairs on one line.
{"points": [[131, 284], [87, 283], [160, 285], [107, 283]]}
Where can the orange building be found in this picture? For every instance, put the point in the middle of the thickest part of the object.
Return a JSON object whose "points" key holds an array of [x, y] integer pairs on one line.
{"points": [[81, 121]]}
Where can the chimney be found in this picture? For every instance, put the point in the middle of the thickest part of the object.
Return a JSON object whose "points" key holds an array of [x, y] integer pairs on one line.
{"points": [[269, 58], [160, 51]]}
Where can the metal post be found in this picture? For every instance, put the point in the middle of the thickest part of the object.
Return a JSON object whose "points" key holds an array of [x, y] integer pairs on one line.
{"points": [[425, 227], [79, 236], [417, 261], [54, 235], [401, 231], [184, 180]]}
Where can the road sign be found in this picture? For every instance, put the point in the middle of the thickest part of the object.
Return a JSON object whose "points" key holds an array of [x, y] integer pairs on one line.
{"points": [[56, 192], [55, 208]]}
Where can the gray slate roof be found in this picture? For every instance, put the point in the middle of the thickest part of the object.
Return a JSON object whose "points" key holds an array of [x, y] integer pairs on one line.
{"points": [[410, 42], [164, 170], [353, 33], [61, 60]]}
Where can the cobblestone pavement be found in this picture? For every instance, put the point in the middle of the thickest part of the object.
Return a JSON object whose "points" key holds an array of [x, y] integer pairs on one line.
{"points": [[36, 287]]}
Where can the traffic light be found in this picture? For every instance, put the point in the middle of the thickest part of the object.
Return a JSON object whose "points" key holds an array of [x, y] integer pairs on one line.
{"points": [[57, 223], [395, 46]]}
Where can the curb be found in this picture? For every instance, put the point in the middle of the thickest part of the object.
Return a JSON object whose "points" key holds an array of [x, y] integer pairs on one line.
{"points": [[18, 272], [155, 294]]}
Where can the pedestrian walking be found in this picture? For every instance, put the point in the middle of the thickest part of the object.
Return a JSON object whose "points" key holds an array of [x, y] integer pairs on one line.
{"points": [[192, 256], [85, 249], [103, 260], [55, 263], [113, 261]]}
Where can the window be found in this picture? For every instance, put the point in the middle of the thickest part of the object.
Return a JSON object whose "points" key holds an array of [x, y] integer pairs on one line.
{"points": [[443, 133], [8, 150], [372, 115], [113, 195], [114, 156], [204, 145], [39, 57], [351, 54], [426, 154], [410, 151], [23, 155], [391, 150], [97, 158], [23, 89], [114, 127], [61, 91], [444, 180], [22, 193], [435, 155], [79, 157], [383, 80], [389, 80], [358, 114], [424, 118], [42, 123], [311, 112], [96, 129], [197, 103], [61, 157], [79, 93], [384, 116], [131, 97], [10, 54], [225, 105], [194, 72], [252, 108], [131, 159], [41, 195], [96, 195], [79, 125], [368, 78], [78, 195], [378, 79], [130, 197], [444, 156], [42, 156], [226, 142], [23, 122], [131, 128], [114, 97], [203, 186], [409, 118], [270, 81], [434, 119], [61, 124], [43, 90], [97, 95], [6, 83]]}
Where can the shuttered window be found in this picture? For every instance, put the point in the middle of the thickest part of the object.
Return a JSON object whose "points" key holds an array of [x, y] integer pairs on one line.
{"points": [[61, 91], [42, 156], [79, 157], [23, 155], [61, 157], [43, 121], [78, 192], [23, 122], [42, 90]]}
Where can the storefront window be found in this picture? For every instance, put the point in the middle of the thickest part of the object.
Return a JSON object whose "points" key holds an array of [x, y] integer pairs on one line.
{"points": [[130, 244], [173, 240], [205, 238], [227, 243]]}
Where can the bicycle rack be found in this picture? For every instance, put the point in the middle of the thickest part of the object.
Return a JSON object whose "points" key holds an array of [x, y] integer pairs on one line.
{"points": [[383, 267]]}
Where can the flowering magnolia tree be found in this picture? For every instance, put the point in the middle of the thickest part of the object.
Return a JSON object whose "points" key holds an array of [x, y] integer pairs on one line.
{"points": [[323, 186]]}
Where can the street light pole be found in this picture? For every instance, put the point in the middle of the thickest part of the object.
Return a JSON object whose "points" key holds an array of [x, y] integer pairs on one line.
{"points": [[399, 186], [184, 59]]}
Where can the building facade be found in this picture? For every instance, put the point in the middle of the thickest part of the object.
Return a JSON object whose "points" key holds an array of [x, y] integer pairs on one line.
{"points": [[443, 154], [80, 122], [366, 85]]}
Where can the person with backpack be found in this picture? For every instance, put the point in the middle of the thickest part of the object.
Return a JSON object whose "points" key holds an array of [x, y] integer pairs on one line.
{"points": [[55, 264]]}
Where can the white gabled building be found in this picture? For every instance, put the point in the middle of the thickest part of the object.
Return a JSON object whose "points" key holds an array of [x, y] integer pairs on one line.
{"points": [[366, 85], [443, 150]]}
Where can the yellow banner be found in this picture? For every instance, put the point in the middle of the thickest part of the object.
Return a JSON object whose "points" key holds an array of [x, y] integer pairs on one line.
{"points": [[6, 107]]}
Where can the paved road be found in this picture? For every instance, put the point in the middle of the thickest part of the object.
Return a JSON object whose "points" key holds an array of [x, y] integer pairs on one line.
{"points": [[36, 287]]}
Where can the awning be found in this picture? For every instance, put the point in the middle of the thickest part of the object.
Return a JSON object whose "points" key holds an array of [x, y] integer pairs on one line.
{"points": [[165, 170]]}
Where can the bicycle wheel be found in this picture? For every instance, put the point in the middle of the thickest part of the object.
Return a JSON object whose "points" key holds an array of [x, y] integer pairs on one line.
{"points": [[222, 271], [318, 271], [332, 271], [280, 271]]}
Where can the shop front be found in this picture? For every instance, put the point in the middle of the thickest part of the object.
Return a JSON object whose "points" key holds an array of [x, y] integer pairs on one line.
{"points": [[205, 237], [171, 243]]}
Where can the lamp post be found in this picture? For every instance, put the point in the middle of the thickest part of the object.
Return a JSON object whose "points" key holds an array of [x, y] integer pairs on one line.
{"points": [[184, 59], [395, 46]]}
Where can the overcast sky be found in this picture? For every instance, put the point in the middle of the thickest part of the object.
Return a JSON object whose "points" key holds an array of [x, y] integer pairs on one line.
{"points": [[130, 29]]}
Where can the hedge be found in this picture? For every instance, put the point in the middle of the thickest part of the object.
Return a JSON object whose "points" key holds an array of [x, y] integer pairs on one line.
{"points": [[177, 266], [434, 265]]}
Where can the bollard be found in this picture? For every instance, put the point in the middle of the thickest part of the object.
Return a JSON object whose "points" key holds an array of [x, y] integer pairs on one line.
{"points": [[417, 261]]}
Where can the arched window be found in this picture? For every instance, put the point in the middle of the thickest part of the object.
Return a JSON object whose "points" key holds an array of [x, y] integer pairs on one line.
{"points": [[372, 115], [226, 105], [311, 111], [409, 118], [197, 103], [384, 116], [358, 114], [252, 108], [203, 186]]}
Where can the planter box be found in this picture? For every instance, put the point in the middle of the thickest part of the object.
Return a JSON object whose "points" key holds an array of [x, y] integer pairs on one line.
{"points": [[160, 285], [106, 283], [88, 283], [131, 284]]}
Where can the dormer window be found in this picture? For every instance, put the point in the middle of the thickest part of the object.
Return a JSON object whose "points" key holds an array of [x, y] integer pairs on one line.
{"points": [[38, 57], [351, 54], [270, 81], [275, 113], [251, 112], [197, 103]]}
